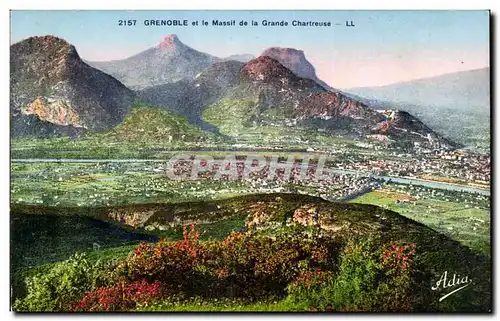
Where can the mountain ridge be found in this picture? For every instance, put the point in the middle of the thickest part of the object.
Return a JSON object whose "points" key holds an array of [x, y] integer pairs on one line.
{"points": [[266, 87], [266, 91]]}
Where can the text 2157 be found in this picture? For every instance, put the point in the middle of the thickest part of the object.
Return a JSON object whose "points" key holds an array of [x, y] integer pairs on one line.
{"points": [[127, 22]]}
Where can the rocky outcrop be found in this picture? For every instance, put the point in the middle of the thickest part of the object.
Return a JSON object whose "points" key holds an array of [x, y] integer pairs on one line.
{"points": [[58, 112], [296, 61]]}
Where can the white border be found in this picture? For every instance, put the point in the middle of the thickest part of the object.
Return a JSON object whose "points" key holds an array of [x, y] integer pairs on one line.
{"points": [[256, 4], [192, 4]]}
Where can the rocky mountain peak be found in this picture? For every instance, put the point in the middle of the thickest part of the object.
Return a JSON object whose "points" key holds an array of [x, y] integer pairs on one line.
{"points": [[293, 59], [54, 56], [264, 68], [296, 61], [170, 43], [48, 44], [292, 52], [170, 60]]}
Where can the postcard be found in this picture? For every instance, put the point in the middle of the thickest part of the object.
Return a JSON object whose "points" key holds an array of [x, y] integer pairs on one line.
{"points": [[250, 161]]}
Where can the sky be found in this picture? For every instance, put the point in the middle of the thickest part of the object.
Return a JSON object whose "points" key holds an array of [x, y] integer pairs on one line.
{"points": [[383, 47]]}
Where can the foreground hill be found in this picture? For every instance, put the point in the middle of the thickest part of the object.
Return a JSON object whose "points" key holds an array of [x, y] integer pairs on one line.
{"points": [[341, 245], [169, 61], [53, 92]]}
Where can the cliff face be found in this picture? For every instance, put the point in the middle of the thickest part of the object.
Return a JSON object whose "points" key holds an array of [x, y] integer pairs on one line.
{"points": [[292, 59], [52, 110], [50, 82], [296, 61]]}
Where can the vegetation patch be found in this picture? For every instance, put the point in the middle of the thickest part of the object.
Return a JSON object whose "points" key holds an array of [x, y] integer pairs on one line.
{"points": [[300, 256], [466, 220]]}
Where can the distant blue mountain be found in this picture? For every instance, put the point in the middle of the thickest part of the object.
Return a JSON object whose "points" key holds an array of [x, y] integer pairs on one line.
{"points": [[463, 90], [242, 58], [456, 105]]}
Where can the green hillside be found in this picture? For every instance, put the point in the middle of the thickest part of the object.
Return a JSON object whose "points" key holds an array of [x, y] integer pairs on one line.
{"points": [[142, 131], [153, 126], [282, 252]]}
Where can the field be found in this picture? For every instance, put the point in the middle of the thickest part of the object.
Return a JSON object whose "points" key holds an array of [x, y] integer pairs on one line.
{"points": [[109, 184], [466, 220]]}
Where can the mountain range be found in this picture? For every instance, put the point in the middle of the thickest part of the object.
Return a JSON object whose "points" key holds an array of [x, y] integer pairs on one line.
{"points": [[280, 88], [264, 91], [171, 60]]}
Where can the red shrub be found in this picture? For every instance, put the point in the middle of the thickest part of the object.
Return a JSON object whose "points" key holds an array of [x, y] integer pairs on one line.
{"points": [[165, 260], [119, 297], [246, 261], [398, 257], [311, 278]]}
